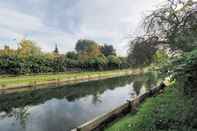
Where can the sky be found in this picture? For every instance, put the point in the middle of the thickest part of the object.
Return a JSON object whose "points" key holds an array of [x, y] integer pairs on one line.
{"points": [[63, 22]]}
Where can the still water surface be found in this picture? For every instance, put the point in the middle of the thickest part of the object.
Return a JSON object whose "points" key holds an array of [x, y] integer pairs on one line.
{"points": [[66, 107]]}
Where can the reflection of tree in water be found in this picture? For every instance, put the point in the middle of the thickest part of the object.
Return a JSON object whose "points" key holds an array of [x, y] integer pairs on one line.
{"points": [[147, 81], [137, 86], [74, 92], [96, 99], [21, 115], [97, 88], [69, 92]]}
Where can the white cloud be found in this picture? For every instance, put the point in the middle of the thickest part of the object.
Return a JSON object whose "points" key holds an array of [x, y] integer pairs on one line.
{"points": [[15, 26], [18, 21], [47, 40], [64, 22], [112, 20]]}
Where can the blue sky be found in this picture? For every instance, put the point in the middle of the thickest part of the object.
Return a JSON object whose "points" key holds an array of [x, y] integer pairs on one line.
{"points": [[65, 21]]}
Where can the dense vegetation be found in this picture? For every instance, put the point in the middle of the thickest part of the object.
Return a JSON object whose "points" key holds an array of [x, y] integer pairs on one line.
{"points": [[171, 28], [89, 55], [171, 40]]}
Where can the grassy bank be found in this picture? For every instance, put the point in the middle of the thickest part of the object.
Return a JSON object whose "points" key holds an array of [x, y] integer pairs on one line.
{"points": [[170, 111], [15, 81]]}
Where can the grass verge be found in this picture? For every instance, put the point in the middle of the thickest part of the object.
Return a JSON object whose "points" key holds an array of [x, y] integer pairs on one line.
{"points": [[169, 111], [25, 80]]}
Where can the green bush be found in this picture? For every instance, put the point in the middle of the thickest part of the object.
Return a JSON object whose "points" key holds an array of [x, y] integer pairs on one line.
{"points": [[160, 57], [185, 71]]}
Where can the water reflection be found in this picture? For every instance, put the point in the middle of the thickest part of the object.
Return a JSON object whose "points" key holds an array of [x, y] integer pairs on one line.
{"points": [[67, 106], [144, 82], [21, 115], [71, 93]]}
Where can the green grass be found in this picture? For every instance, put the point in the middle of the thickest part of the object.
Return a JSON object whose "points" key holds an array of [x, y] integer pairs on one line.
{"points": [[170, 111], [7, 81]]}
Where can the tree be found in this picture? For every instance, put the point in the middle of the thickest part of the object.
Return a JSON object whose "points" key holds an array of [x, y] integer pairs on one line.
{"points": [[29, 58], [28, 48], [87, 49], [141, 51], [72, 55], [160, 57], [97, 63], [59, 63], [56, 50], [108, 50], [7, 51], [7, 65], [175, 23], [124, 62], [83, 45], [114, 62], [72, 64]]}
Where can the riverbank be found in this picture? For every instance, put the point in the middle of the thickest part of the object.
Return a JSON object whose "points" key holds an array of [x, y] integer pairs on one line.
{"points": [[100, 122], [15, 82], [171, 110]]}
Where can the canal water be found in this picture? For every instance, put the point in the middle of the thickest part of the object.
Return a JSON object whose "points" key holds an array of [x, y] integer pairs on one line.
{"points": [[65, 107]]}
